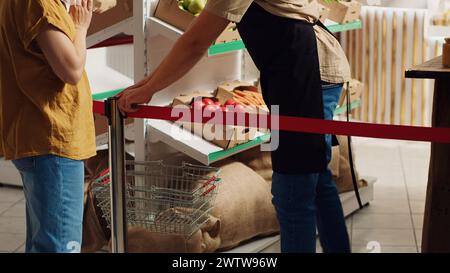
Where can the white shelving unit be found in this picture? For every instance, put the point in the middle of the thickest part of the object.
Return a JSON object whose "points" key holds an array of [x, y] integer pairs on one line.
{"points": [[196, 147]]}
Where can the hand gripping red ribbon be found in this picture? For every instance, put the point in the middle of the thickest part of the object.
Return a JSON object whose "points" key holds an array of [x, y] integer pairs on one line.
{"points": [[305, 125]]}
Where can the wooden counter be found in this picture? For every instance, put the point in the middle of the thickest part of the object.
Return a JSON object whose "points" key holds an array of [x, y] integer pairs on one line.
{"points": [[436, 226]]}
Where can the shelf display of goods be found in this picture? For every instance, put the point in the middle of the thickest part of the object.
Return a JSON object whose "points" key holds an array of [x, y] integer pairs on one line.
{"points": [[244, 94], [181, 13], [239, 100]]}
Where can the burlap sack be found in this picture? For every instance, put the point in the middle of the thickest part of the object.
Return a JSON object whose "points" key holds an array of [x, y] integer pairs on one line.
{"points": [[258, 161], [243, 209], [343, 177], [243, 205], [205, 240], [334, 163], [261, 163], [95, 165], [95, 232]]}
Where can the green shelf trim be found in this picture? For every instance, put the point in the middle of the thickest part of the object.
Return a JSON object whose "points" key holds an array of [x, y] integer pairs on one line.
{"points": [[345, 27], [225, 47], [238, 45], [343, 109], [212, 157], [106, 95]]}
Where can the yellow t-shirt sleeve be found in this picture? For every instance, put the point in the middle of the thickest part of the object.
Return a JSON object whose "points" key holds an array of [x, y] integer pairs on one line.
{"points": [[39, 14], [232, 10]]}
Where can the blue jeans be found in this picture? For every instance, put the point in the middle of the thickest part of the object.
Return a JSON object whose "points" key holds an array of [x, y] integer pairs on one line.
{"points": [[306, 202], [54, 192]]}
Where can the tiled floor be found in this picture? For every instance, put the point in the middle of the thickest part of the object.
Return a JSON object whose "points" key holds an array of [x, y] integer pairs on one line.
{"points": [[12, 219], [394, 219], [392, 222]]}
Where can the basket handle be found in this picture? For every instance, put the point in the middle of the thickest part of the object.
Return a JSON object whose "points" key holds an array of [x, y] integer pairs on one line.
{"points": [[209, 181], [209, 190]]}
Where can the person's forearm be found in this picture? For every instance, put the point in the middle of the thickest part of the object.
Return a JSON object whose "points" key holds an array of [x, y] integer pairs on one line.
{"points": [[183, 56], [80, 47]]}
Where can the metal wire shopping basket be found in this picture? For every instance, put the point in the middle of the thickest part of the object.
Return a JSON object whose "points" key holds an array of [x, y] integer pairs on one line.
{"points": [[163, 198]]}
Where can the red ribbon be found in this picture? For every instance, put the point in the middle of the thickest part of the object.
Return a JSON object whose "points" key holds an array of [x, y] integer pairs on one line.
{"points": [[305, 125]]}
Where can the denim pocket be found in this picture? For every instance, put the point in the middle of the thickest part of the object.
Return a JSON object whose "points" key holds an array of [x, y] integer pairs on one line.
{"points": [[25, 164]]}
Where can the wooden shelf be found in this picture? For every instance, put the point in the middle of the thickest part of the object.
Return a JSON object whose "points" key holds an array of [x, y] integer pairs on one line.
{"points": [[432, 69]]}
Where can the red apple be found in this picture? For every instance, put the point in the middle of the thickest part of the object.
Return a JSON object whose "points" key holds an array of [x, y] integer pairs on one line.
{"points": [[239, 108], [211, 108], [198, 104], [225, 109], [230, 102], [208, 101], [217, 103]]}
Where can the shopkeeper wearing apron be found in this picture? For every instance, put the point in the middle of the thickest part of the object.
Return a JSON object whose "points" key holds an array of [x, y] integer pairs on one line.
{"points": [[302, 70]]}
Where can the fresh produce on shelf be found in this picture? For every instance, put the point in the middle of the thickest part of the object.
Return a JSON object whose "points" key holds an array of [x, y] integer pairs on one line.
{"points": [[181, 14], [230, 102], [231, 96], [213, 105], [224, 136], [198, 104], [189, 98], [208, 101], [252, 99]]}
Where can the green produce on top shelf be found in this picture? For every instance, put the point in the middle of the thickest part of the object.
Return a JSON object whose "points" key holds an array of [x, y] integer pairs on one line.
{"points": [[193, 6], [185, 4]]}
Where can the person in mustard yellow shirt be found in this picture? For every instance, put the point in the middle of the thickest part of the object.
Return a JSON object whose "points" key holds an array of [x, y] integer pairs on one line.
{"points": [[46, 120], [302, 70]]}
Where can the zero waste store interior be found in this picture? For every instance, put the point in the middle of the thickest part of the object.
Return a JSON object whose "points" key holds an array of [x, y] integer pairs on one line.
{"points": [[382, 40]]}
